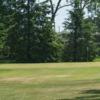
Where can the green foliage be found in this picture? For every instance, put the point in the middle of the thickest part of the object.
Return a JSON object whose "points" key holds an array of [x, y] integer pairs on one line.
{"points": [[49, 46], [29, 33], [80, 45], [4, 12], [98, 49]]}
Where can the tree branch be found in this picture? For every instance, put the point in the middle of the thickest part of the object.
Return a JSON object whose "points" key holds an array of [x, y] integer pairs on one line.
{"points": [[52, 8], [54, 14], [65, 6], [85, 4]]}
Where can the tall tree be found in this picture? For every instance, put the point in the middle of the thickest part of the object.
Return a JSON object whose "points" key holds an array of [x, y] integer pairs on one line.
{"points": [[21, 29], [5, 10], [30, 33], [80, 42]]}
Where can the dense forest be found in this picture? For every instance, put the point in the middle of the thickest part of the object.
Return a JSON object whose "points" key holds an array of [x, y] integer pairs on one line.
{"points": [[27, 31]]}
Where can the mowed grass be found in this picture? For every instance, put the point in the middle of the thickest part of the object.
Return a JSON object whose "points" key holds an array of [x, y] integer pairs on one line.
{"points": [[97, 59], [54, 81]]}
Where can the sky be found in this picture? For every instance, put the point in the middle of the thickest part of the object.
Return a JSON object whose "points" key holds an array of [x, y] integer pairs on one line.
{"points": [[61, 15]]}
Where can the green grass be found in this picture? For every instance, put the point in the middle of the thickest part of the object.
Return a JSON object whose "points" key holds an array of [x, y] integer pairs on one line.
{"points": [[97, 60], [54, 81]]}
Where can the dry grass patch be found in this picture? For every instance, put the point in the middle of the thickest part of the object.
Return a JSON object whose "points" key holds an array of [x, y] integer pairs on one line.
{"points": [[29, 79]]}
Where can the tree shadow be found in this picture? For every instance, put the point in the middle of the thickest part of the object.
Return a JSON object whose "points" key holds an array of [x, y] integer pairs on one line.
{"points": [[92, 95]]}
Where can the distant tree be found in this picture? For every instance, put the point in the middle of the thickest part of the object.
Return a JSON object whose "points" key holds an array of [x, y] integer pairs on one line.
{"points": [[80, 46]]}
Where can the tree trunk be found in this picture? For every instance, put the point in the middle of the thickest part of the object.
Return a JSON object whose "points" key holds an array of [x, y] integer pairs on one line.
{"points": [[28, 34]]}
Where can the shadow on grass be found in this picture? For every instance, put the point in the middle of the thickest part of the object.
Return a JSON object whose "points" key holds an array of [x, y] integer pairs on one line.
{"points": [[91, 95]]}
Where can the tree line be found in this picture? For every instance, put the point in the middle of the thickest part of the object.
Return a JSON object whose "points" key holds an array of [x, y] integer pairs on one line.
{"points": [[27, 31]]}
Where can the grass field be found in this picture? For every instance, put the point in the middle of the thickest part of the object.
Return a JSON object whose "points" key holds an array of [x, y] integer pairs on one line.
{"points": [[97, 59], [55, 81]]}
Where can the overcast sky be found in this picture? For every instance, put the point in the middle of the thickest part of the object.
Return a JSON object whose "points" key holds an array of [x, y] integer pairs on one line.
{"points": [[61, 15]]}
